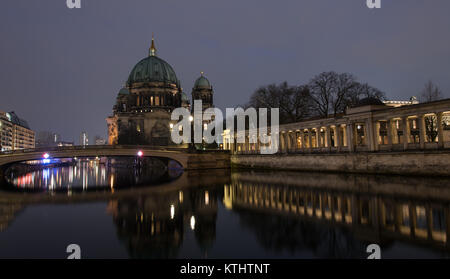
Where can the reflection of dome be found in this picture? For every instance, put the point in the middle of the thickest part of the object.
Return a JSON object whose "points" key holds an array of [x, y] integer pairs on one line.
{"points": [[370, 101], [202, 82]]}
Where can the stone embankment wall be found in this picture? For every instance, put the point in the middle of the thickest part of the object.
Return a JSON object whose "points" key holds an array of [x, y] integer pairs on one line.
{"points": [[404, 163]]}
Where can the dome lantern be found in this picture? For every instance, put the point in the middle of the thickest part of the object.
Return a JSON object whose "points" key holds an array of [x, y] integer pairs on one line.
{"points": [[152, 50]]}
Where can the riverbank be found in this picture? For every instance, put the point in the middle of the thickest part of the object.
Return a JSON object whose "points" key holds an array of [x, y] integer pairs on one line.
{"points": [[403, 163]]}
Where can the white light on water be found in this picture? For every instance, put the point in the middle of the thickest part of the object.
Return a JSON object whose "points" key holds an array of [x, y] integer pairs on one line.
{"points": [[192, 223], [172, 211]]}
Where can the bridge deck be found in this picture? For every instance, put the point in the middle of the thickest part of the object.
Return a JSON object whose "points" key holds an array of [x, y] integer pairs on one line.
{"points": [[188, 160]]}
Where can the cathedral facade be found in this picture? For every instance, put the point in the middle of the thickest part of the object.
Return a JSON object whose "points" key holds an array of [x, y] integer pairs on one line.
{"points": [[142, 111]]}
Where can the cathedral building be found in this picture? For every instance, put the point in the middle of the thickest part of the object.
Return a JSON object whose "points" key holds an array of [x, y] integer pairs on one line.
{"points": [[141, 114]]}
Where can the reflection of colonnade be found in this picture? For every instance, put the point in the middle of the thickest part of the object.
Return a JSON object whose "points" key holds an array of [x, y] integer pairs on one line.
{"points": [[369, 127], [371, 216]]}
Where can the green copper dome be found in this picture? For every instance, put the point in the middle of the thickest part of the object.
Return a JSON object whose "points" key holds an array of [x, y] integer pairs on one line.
{"points": [[184, 97], [202, 82], [124, 91], [151, 69]]}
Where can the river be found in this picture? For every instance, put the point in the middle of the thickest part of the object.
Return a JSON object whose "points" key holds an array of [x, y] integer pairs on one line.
{"points": [[153, 212]]}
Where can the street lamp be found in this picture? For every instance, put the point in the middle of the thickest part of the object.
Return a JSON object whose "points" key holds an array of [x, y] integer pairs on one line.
{"points": [[191, 144]]}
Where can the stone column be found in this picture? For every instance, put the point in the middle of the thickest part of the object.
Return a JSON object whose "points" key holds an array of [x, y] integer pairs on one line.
{"points": [[405, 132], [368, 139], [377, 136], [302, 136], [389, 132], [287, 135], [247, 145], [344, 141], [337, 137], [286, 142], [281, 142], [328, 134], [309, 139], [293, 141], [318, 138], [422, 130], [440, 130], [350, 132], [372, 140]]}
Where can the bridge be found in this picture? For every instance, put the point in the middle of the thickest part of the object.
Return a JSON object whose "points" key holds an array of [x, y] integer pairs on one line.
{"points": [[189, 160]]}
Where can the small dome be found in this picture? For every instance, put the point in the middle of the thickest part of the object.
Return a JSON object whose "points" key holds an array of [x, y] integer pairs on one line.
{"points": [[370, 101], [202, 82], [184, 97], [124, 91]]}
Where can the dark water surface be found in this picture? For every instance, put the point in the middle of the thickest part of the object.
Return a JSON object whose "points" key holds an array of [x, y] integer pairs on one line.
{"points": [[128, 212]]}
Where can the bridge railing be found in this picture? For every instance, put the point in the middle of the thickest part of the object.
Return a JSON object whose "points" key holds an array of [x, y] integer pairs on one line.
{"points": [[97, 147]]}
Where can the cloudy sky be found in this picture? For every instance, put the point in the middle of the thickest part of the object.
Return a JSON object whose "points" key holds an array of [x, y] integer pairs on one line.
{"points": [[61, 68]]}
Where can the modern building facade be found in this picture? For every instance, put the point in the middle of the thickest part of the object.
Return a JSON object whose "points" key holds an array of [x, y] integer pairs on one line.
{"points": [[15, 133], [84, 140], [142, 112]]}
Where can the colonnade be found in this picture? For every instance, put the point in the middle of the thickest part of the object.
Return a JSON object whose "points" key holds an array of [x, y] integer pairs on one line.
{"points": [[415, 127]]}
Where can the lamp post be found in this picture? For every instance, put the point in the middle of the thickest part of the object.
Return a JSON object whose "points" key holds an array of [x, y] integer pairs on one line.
{"points": [[191, 144]]}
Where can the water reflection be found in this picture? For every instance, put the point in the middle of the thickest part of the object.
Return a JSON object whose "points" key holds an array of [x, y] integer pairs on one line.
{"points": [[265, 214], [154, 226], [92, 174]]}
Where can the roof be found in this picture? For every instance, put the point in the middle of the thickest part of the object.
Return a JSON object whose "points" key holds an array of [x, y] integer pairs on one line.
{"points": [[152, 68], [17, 120], [202, 82], [370, 101]]}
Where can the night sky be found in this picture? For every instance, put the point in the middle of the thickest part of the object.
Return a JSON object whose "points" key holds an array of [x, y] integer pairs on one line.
{"points": [[61, 69]]}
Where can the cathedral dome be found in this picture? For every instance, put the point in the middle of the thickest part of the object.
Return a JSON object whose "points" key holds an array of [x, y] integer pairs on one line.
{"points": [[152, 69], [202, 82]]}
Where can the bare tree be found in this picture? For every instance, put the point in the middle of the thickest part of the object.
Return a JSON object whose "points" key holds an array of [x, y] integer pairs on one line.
{"points": [[430, 92], [322, 89], [326, 93], [294, 102], [332, 92]]}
